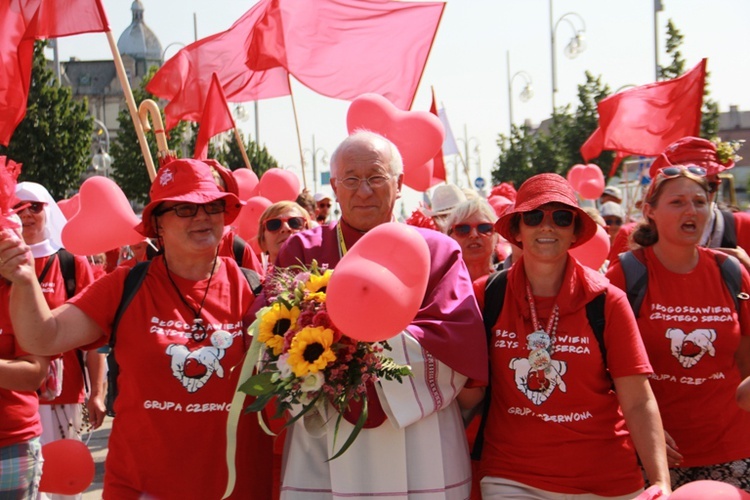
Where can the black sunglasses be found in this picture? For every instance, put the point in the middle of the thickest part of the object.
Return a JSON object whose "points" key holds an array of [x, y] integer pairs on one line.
{"points": [[562, 217], [294, 223], [190, 209], [35, 207], [613, 221], [483, 228]]}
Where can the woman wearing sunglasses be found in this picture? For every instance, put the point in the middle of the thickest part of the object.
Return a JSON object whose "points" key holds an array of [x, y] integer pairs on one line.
{"points": [[697, 339], [276, 224], [554, 425], [471, 224]]}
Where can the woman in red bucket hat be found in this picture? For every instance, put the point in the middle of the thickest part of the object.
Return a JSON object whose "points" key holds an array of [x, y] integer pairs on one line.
{"points": [[554, 425], [178, 342]]}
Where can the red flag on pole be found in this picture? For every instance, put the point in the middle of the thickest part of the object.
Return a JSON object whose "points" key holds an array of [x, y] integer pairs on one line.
{"points": [[22, 22], [216, 118], [184, 79], [646, 119], [438, 163], [344, 48]]}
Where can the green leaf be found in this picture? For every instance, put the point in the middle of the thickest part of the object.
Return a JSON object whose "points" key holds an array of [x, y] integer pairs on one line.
{"points": [[355, 432], [258, 385], [259, 403]]}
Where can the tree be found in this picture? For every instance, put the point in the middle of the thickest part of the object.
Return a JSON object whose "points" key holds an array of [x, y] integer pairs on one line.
{"points": [[710, 110], [129, 167], [53, 142], [260, 159]]}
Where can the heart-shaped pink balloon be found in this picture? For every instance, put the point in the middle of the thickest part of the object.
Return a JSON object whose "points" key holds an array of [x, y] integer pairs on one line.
{"points": [[419, 178], [278, 184], [247, 181], [247, 222], [418, 135], [105, 220], [70, 206]]}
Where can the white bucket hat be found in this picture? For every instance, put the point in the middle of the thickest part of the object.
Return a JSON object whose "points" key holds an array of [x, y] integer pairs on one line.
{"points": [[444, 199]]}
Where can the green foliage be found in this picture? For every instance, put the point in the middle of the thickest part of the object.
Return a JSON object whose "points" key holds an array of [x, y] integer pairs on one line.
{"points": [[554, 148], [231, 156], [129, 167], [53, 142]]}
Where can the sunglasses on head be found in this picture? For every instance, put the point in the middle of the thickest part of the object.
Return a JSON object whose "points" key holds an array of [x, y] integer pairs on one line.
{"points": [[35, 207], [294, 223], [674, 170], [562, 217], [483, 228]]}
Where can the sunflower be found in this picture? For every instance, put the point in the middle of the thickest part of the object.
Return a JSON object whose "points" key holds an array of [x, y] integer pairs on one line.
{"points": [[311, 350], [316, 285], [274, 324]]}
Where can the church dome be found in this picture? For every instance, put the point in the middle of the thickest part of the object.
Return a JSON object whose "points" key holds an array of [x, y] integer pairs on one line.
{"points": [[138, 41]]}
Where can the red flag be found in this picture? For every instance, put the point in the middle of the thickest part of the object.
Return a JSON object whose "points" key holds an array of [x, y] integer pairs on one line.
{"points": [[184, 80], [438, 164], [22, 22], [345, 48], [216, 118], [646, 119]]}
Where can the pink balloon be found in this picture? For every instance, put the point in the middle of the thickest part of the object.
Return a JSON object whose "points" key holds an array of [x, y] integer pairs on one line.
{"points": [[247, 221], [715, 490], [278, 184], [378, 287], [68, 467], [418, 135], [247, 181], [70, 206], [594, 252], [104, 221], [419, 178], [591, 189], [575, 175], [499, 203]]}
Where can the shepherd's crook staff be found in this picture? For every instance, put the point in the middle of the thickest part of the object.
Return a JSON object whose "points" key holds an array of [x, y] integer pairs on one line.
{"points": [[122, 76]]}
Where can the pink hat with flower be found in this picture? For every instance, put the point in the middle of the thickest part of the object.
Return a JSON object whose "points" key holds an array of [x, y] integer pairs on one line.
{"points": [[188, 181], [541, 190], [691, 150]]}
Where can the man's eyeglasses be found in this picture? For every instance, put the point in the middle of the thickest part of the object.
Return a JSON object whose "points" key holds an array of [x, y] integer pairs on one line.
{"points": [[562, 217], [294, 223], [614, 221], [484, 229], [35, 207], [374, 181], [190, 209]]}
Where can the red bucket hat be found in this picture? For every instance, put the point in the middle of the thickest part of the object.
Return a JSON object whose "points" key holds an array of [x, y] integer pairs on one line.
{"points": [[189, 181], [693, 150], [540, 190]]}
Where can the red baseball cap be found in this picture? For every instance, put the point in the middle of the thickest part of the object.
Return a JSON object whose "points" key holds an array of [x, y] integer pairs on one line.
{"points": [[188, 181], [540, 190], [691, 150]]}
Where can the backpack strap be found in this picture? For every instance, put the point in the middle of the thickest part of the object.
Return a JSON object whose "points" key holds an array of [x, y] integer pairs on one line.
{"points": [[238, 249], [253, 280], [68, 271], [133, 282], [636, 277], [595, 315], [731, 273], [729, 237], [494, 296]]}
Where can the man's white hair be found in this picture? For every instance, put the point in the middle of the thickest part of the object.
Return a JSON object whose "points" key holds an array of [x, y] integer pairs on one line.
{"points": [[396, 164]]}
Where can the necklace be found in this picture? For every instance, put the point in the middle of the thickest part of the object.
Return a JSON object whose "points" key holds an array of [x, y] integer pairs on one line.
{"points": [[541, 338], [198, 333]]}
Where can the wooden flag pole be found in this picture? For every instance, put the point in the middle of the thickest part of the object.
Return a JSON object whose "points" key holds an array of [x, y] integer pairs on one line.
{"points": [[242, 148], [130, 101], [299, 137]]}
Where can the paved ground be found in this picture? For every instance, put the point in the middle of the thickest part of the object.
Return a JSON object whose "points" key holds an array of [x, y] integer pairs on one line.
{"points": [[98, 447]]}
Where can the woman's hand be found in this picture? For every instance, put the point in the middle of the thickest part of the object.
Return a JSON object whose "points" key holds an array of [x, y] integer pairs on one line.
{"points": [[16, 261], [674, 457]]}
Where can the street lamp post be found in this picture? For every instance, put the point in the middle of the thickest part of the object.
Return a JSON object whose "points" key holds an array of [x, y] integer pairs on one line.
{"points": [[101, 161], [575, 46], [467, 143], [314, 159], [527, 92], [164, 52]]}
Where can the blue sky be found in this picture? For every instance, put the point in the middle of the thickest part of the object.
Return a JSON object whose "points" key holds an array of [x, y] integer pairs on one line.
{"points": [[467, 64]]}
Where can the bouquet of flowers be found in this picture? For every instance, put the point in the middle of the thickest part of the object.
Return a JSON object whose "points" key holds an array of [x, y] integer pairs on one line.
{"points": [[303, 359]]}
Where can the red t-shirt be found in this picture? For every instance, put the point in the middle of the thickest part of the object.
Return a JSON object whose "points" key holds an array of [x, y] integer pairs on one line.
{"points": [[53, 289], [19, 411], [571, 436], [691, 332], [169, 437]]}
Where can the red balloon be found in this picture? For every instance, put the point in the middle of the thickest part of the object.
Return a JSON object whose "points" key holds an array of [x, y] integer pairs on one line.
{"points": [[418, 135], [247, 181], [278, 184], [594, 252], [575, 175], [715, 490], [68, 467], [70, 206], [500, 204], [247, 221], [591, 189], [419, 178], [104, 221], [377, 288]]}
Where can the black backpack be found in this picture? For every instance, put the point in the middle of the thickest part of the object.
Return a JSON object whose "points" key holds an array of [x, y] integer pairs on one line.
{"points": [[494, 296], [133, 282]]}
